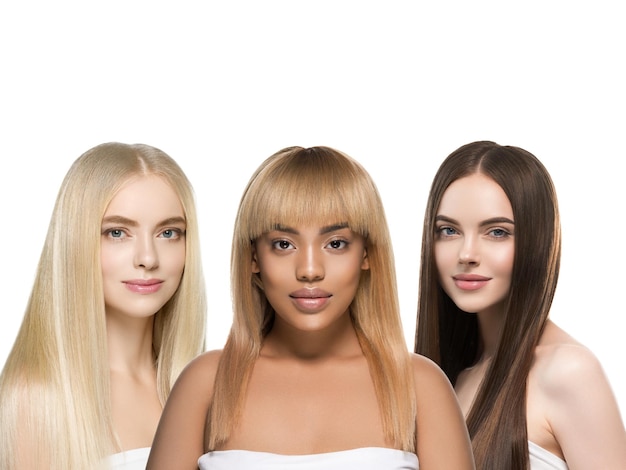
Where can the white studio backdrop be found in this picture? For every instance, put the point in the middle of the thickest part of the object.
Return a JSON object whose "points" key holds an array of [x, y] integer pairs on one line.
{"points": [[397, 85]]}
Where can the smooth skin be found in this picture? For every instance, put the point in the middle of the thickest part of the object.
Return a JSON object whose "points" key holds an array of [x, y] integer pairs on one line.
{"points": [[310, 390], [143, 257], [571, 409]]}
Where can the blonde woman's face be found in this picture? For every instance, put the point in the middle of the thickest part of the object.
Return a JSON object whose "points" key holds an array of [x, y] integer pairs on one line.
{"points": [[310, 274], [474, 243], [142, 247]]}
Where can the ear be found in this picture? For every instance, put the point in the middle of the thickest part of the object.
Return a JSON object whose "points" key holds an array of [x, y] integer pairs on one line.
{"points": [[365, 262], [255, 264]]}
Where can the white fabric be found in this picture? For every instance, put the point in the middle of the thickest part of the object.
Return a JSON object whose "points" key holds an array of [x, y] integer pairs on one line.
{"points": [[135, 459], [365, 458], [541, 459]]}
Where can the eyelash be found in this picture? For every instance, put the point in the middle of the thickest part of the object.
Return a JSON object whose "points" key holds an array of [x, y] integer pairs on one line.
{"points": [[505, 233], [440, 232], [344, 243], [176, 232], [276, 244], [108, 233]]}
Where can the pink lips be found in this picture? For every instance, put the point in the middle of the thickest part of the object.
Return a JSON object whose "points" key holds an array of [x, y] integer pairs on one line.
{"points": [[310, 300], [144, 286], [470, 281]]}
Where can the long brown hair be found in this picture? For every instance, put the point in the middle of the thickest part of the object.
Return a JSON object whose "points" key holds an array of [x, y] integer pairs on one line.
{"points": [[449, 336], [291, 187]]}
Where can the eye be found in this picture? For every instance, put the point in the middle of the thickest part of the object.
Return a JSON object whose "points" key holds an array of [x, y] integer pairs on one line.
{"points": [[338, 244], [116, 233], [445, 231], [499, 233], [172, 233], [282, 245]]}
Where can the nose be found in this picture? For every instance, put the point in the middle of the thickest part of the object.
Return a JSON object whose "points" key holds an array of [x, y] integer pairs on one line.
{"points": [[310, 265], [469, 252], [146, 255]]}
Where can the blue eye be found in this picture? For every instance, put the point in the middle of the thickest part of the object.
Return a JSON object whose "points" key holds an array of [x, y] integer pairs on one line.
{"points": [[446, 232], [171, 233], [499, 233], [114, 233]]}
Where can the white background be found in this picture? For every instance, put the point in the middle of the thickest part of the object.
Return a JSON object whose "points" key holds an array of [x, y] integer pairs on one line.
{"points": [[398, 85]]}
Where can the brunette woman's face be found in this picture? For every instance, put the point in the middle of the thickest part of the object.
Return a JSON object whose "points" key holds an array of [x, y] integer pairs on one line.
{"points": [[310, 274], [474, 243], [142, 247]]}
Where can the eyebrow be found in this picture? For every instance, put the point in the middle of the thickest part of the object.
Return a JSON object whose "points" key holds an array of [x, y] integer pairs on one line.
{"points": [[118, 219], [493, 220], [322, 231]]}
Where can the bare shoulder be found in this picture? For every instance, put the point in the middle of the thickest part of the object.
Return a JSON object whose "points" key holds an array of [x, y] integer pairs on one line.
{"points": [[427, 374], [194, 387], [569, 390], [562, 364], [442, 438], [433, 390], [201, 370], [179, 439]]}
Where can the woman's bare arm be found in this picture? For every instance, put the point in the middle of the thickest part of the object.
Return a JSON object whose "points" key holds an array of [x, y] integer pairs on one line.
{"points": [[583, 412], [442, 438], [179, 439]]}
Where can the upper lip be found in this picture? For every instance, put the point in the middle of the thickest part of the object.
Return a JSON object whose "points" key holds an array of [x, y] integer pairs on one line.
{"points": [[309, 293], [470, 277], [143, 282]]}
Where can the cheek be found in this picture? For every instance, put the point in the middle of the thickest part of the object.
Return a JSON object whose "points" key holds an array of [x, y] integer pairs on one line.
{"points": [[502, 260], [109, 261], [175, 259], [443, 255]]}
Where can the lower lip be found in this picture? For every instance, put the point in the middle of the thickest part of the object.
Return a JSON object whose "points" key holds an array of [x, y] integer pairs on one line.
{"points": [[310, 304], [144, 289], [470, 285]]}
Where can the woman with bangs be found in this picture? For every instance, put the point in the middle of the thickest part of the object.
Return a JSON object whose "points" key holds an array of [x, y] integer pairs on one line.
{"points": [[533, 396], [117, 310], [315, 373]]}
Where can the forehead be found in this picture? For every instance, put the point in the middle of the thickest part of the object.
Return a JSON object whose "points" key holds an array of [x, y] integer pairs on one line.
{"points": [[149, 195], [475, 197]]}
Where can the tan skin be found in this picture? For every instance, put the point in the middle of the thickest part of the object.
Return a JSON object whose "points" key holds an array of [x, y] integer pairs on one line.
{"points": [[571, 409], [310, 391]]}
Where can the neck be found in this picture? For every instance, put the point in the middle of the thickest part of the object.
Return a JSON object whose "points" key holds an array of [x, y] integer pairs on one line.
{"points": [[130, 345], [336, 340], [490, 324]]}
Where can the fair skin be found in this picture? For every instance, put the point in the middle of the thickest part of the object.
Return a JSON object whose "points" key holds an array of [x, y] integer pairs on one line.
{"points": [[143, 257], [311, 390], [571, 410]]}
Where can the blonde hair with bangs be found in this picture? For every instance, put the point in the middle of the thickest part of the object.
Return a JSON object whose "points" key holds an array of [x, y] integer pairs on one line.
{"points": [[55, 393], [297, 186]]}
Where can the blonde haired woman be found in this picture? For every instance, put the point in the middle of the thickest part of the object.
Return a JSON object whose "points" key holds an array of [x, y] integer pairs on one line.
{"points": [[116, 311], [315, 372]]}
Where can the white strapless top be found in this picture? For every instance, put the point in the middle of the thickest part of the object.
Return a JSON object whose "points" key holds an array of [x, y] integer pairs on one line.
{"points": [[134, 459], [541, 459], [364, 458]]}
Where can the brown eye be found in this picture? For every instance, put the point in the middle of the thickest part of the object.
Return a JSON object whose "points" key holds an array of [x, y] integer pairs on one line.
{"points": [[282, 245], [338, 244]]}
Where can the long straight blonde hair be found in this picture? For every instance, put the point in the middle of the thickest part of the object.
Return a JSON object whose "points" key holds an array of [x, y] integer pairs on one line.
{"points": [[55, 398], [292, 187]]}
